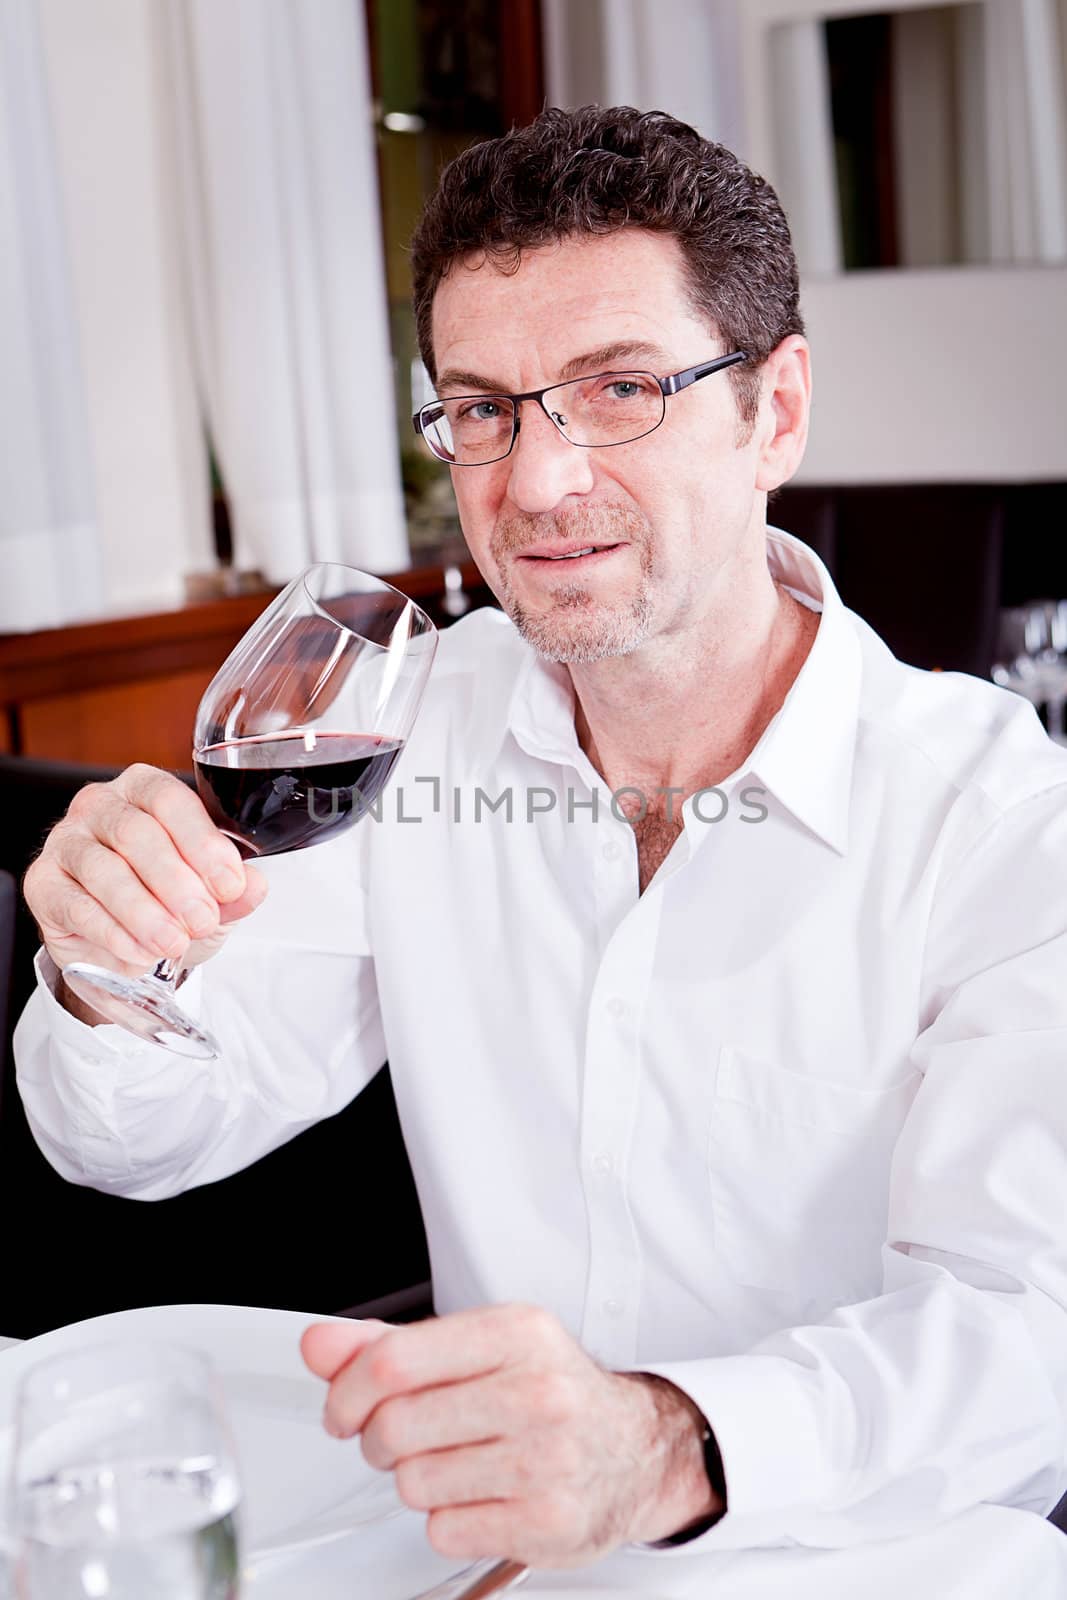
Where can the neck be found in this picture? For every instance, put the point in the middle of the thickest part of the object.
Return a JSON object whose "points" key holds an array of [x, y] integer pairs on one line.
{"points": [[685, 712]]}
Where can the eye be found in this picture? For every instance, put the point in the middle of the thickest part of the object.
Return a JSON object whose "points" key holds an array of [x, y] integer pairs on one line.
{"points": [[481, 411], [624, 388]]}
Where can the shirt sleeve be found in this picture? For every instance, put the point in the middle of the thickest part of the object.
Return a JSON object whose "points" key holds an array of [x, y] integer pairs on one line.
{"points": [[950, 1388], [291, 998]]}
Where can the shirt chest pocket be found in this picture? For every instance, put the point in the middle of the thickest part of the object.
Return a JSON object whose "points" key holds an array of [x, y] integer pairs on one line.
{"points": [[799, 1174]]}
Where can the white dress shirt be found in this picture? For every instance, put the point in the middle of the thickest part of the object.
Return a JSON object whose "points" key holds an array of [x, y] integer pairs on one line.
{"points": [[790, 1128]]}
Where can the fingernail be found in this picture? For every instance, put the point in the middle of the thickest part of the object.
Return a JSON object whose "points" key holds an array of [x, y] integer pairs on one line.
{"points": [[332, 1428], [199, 918], [227, 882]]}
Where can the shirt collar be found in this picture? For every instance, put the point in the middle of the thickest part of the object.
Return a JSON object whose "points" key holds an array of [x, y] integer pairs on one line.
{"points": [[805, 755]]}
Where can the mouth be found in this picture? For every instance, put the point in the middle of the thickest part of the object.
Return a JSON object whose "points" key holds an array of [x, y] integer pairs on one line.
{"points": [[570, 555]]}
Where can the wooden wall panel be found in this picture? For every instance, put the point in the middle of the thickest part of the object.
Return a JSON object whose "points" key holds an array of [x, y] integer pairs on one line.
{"points": [[148, 721], [127, 688]]}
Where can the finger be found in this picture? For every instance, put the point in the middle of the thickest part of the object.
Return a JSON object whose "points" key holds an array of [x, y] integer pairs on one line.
{"points": [[73, 923], [136, 837], [548, 1534], [474, 1532], [64, 953], [468, 1475], [203, 949], [464, 1344], [256, 890], [113, 882], [327, 1346], [453, 1415], [439, 1351], [182, 814]]}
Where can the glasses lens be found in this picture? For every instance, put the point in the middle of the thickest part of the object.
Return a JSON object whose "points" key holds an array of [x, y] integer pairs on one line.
{"points": [[471, 430], [612, 408]]}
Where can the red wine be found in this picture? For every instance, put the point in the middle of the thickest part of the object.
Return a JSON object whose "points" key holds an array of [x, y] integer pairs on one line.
{"points": [[274, 793]]}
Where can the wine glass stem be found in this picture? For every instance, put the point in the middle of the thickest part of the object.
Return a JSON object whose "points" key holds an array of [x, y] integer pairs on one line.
{"points": [[168, 971], [1055, 717]]}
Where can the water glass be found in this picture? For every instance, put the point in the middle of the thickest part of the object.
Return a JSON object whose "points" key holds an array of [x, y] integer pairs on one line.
{"points": [[124, 1483]]}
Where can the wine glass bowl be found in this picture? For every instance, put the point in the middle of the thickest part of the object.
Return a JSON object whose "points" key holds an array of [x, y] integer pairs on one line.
{"points": [[299, 731], [295, 738]]}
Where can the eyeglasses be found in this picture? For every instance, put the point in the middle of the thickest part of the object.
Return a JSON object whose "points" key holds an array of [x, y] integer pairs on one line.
{"points": [[473, 430]]}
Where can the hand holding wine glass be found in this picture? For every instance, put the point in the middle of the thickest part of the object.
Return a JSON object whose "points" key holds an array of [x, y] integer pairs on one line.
{"points": [[295, 738]]}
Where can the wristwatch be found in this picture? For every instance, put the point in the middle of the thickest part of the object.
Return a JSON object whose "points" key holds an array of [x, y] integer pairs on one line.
{"points": [[717, 1478]]}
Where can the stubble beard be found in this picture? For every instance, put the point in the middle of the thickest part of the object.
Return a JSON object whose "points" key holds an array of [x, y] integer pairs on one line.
{"points": [[578, 628]]}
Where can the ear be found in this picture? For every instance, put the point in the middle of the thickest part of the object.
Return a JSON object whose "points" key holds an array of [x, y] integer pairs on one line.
{"points": [[785, 406]]}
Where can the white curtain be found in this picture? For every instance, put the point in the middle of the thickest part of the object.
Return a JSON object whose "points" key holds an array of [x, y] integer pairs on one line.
{"points": [[680, 56], [286, 278], [50, 559]]}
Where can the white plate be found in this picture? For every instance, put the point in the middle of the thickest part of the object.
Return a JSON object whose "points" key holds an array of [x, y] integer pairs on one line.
{"points": [[301, 1487]]}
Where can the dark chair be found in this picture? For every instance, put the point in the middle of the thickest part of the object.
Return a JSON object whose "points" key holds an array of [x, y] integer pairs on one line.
{"points": [[922, 565], [809, 514], [327, 1223], [8, 898]]}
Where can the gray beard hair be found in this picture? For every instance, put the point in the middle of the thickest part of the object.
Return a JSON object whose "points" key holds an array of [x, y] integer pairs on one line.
{"points": [[585, 639], [565, 634]]}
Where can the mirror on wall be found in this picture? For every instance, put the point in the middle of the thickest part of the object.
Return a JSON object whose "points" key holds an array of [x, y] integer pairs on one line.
{"points": [[925, 137]]}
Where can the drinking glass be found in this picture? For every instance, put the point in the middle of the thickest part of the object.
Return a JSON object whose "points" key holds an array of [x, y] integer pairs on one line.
{"points": [[123, 1481], [1031, 658], [295, 738]]}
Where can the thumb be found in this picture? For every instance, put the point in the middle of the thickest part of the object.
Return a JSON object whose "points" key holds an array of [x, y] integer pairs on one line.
{"points": [[328, 1346]]}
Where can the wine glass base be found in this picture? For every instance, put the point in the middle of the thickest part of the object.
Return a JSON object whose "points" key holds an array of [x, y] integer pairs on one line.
{"points": [[143, 1006]]}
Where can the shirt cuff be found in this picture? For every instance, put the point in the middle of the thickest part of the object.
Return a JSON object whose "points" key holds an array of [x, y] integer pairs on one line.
{"points": [[763, 1414], [105, 1039]]}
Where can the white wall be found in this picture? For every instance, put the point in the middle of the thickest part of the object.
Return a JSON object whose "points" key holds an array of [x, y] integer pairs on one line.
{"points": [[948, 375], [952, 374], [148, 457]]}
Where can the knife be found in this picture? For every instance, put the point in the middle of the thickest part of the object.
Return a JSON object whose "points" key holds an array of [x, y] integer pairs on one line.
{"points": [[478, 1581]]}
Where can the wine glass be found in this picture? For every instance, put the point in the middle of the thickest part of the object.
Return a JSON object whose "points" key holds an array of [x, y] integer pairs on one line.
{"points": [[123, 1478], [295, 738], [1031, 658]]}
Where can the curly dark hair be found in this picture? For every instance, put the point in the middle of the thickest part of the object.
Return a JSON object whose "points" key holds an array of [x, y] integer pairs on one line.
{"points": [[599, 169]]}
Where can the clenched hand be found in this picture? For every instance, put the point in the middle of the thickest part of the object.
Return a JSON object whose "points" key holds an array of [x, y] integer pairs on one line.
{"points": [[137, 871], [511, 1437]]}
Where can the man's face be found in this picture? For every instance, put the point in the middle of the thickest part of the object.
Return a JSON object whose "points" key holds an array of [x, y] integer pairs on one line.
{"points": [[669, 513]]}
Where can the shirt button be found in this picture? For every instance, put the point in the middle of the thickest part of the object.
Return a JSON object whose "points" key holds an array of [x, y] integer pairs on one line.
{"points": [[616, 1007], [611, 851], [612, 1308], [602, 1164]]}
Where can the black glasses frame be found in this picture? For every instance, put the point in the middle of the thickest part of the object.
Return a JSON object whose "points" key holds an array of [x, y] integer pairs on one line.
{"points": [[434, 409]]}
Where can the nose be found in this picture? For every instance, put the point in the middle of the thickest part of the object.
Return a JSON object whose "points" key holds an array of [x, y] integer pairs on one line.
{"points": [[545, 469]]}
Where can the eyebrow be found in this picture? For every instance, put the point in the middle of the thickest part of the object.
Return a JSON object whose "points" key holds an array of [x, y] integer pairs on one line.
{"points": [[459, 381]]}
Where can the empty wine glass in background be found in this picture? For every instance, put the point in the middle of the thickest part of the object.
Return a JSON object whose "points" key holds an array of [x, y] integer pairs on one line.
{"points": [[1031, 658], [295, 738], [124, 1483]]}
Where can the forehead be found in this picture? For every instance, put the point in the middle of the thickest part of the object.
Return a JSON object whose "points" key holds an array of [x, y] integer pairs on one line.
{"points": [[569, 296]]}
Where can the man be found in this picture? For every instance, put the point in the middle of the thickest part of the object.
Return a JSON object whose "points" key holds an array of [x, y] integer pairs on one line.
{"points": [[718, 956]]}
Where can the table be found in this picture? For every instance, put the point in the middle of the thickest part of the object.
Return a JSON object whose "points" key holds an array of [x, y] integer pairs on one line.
{"points": [[989, 1553]]}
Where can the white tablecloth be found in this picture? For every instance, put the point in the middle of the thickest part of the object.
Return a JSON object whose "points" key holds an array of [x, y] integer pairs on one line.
{"points": [[990, 1553]]}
